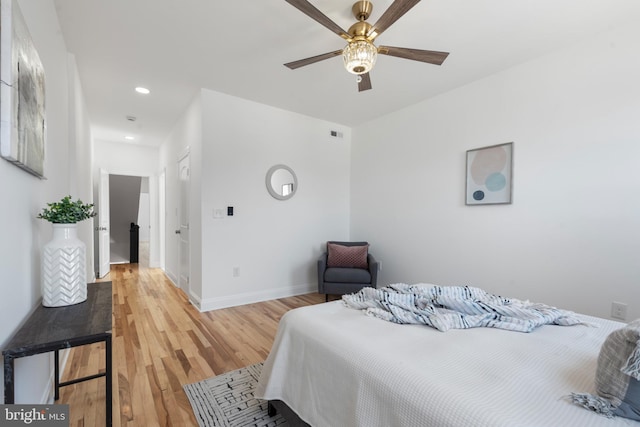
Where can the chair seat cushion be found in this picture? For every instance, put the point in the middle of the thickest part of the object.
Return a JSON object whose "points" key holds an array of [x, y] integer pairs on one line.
{"points": [[347, 275]]}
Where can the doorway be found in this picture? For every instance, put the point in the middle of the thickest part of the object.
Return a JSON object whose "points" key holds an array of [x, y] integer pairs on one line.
{"points": [[129, 218]]}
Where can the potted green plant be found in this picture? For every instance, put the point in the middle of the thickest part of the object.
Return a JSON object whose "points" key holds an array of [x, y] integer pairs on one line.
{"points": [[66, 211], [64, 257]]}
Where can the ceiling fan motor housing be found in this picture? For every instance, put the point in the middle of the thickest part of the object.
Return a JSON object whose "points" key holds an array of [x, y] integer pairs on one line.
{"points": [[359, 29]]}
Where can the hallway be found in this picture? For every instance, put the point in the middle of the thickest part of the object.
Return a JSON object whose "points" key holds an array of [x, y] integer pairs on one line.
{"points": [[160, 343], [116, 257]]}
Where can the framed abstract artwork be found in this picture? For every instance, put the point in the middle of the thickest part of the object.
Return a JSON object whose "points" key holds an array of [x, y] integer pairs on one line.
{"points": [[490, 175], [22, 93]]}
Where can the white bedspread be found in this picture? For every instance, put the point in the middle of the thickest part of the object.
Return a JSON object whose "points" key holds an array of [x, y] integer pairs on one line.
{"points": [[337, 367]]}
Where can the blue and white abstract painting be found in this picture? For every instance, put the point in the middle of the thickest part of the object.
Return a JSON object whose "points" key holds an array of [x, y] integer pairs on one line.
{"points": [[489, 175]]}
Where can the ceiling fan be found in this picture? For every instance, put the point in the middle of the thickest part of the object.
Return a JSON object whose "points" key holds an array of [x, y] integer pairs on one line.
{"points": [[360, 53]]}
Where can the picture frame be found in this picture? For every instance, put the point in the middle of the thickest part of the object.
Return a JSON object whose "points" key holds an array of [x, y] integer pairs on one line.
{"points": [[22, 93], [489, 175]]}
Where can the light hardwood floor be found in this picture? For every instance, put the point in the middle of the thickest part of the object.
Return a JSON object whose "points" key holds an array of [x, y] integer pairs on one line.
{"points": [[160, 343]]}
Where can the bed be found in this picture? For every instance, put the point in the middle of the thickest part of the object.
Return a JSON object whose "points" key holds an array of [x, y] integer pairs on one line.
{"points": [[334, 366]]}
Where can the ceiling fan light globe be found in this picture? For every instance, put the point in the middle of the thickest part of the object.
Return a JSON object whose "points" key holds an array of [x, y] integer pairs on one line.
{"points": [[359, 56]]}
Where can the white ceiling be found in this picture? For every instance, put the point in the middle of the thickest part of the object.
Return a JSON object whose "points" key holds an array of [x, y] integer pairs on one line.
{"points": [[176, 47]]}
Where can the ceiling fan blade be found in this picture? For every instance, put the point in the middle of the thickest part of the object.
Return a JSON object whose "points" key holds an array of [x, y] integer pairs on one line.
{"points": [[391, 15], [429, 56], [310, 10], [312, 60], [365, 83]]}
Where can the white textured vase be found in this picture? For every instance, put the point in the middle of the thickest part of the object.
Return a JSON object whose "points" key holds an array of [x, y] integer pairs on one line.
{"points": [[64, 279]]}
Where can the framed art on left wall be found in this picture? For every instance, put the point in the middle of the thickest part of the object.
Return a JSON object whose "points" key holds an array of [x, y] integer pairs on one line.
{"points": [[22, 93]]}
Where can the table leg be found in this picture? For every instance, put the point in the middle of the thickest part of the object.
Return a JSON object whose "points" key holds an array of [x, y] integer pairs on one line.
{"points": [[8, 379], [108, 381], [56, 375]]}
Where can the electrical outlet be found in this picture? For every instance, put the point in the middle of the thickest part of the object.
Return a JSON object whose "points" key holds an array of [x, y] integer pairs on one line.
{"points": [[236, 271], [619, 310]]}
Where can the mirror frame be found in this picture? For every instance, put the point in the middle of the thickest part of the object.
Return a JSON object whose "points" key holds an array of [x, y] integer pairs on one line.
{"points": [[270, 189]]}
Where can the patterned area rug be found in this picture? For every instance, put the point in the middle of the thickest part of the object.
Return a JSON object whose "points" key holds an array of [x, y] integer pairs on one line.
{"points": [[227, 400]]}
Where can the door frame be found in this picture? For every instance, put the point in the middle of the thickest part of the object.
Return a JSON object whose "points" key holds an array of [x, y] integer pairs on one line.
{"points": [[103, 223], [162, 217]]}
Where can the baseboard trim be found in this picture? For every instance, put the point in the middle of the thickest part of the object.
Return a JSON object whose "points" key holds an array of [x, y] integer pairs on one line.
{"points": [[195, 300], [171, 278], [48, 393], [251, 297]]}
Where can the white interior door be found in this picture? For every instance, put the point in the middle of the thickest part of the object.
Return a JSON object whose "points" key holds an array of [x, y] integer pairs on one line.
{"points": [[183, 223], [103, 225], [162, 215]]}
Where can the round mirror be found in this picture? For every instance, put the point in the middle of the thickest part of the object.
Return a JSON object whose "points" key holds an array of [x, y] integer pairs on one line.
{"points": [[281, 182]]}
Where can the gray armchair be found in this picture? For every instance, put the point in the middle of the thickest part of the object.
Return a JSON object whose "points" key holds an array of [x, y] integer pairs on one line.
{"points": [[341, 279]]}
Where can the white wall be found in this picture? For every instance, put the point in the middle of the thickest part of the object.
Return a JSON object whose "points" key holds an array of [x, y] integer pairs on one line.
{"points": [[571, 238], [81, 152], [24, 196], [126, 159], [274, 244]]}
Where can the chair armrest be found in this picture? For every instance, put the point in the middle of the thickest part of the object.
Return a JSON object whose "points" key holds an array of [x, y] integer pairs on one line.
{"points": [[322, 261], [322, 266], [374, 266]]}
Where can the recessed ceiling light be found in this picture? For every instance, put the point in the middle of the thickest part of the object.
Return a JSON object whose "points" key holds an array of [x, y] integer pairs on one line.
{"points": [[142, 90], [129, 138]]}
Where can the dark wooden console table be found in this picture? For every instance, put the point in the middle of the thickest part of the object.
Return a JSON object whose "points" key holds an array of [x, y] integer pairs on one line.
{"points": [[56, 328]]}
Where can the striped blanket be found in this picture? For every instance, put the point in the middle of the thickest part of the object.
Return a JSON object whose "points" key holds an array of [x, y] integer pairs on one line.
{"points": [[455, 307]]}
